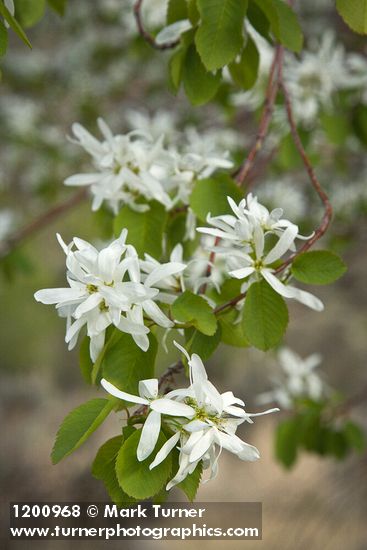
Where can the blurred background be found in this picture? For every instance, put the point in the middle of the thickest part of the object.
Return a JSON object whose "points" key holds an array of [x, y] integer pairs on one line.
{"points": [[92, 63]]}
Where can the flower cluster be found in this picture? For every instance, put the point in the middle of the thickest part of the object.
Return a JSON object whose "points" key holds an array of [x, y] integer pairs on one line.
{"points": [[244, 245], [295, 380], [203, 422], [112, 287], [136, 168]]}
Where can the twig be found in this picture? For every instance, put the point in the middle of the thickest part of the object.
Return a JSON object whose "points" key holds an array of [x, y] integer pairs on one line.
{"points": [[270, 97], [145, 34], [328, 211], [166, 377], [39, 223]]}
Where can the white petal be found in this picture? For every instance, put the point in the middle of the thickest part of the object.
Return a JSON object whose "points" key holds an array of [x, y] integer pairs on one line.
{"points": [[173, 408], [283, 245], [163, 271], [82, 179], [96, 345], [153, 311], [56, 295], [178, 346], [259, 241], [148, 388], [229, 399], [90, 303], [197, 370], [242, 273], [195, 425], [171, 33], [165, 450], [291, 292], [110, 388], [149, 436], [202, 446]]}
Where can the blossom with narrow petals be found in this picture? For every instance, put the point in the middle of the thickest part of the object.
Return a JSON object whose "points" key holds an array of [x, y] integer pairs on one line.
{"points": [[158, 405]]}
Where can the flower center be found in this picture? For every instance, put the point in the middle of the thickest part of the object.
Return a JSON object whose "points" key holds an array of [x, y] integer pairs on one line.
{"points": [[92, 288]]}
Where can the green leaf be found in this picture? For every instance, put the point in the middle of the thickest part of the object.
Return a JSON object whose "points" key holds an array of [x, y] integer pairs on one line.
{"points": [[354, 13], [85, 362], [103, 468], [258, 20], [193, 12], [202, 344], [175, 67], [193, 309], [318, 267], [200, 86], [245, 71], [283, 23], [336, 443], [78, 425], [220, 35], [13, 23], [210, 196], [232, 332], [58, 5], [286, 442], [145, 228], [29, 12], [265, 316], [125, 364], [3, 39], [355, 436], [134, 477], [176, 11]]}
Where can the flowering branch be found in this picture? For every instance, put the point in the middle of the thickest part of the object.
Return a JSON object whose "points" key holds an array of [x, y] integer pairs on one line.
{"points": [[42, 221], [145, 34]]}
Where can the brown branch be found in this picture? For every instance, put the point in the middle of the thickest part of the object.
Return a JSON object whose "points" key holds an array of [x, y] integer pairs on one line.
{"points": [[270, 97], [328, 211], [39, 223], [167, 376], [145, 34]]}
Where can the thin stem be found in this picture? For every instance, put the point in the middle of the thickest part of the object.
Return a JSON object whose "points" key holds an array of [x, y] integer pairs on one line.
{"points": [[328, 211], [270, 97], [39, 223], [145, 34]]}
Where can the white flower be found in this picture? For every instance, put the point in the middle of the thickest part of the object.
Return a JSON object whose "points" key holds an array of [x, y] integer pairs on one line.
{"points": [[249, 214], [244, 236], [297, 379], [127, 166], [148, 395], [106, 289], [312, 86], [259, 265], [214, 423], [96, 296]]}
